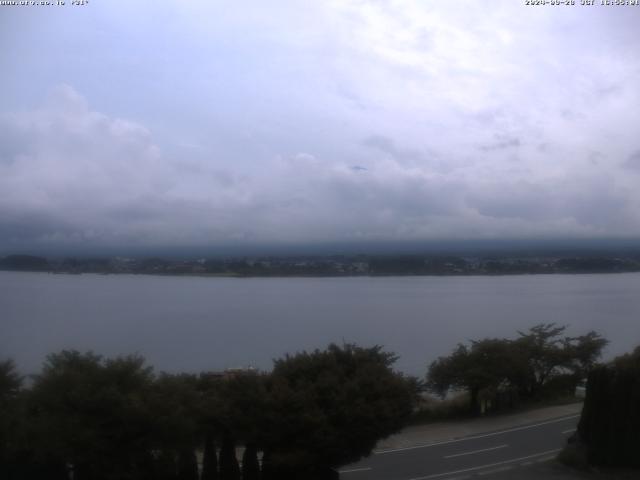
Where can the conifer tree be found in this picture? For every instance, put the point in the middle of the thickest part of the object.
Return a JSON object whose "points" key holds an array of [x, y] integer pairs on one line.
{"points": [[209, 460], [250, 465], [187, 465], [229, 469]]}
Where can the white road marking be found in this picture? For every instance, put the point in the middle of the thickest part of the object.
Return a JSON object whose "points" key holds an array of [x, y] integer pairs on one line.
{"points": [[436, 475], [476, 451], [571, 430], [545, 459], [473, 437], [352, 470]]}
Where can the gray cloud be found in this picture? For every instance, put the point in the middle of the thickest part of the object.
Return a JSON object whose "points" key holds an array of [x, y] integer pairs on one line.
{"points": [[388, 146], [633, 161], [501, 142], [481, 126]]}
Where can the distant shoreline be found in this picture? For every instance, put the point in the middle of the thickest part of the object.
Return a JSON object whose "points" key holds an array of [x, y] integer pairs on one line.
{"points": [[335, 266], [390, 275]]}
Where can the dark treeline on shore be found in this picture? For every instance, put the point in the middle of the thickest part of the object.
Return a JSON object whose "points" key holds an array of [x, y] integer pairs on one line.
{"points": [[90, 418], [333, 265]]}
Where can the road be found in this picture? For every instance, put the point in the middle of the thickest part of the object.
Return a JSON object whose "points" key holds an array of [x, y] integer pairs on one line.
{"points": [[483, 454]]}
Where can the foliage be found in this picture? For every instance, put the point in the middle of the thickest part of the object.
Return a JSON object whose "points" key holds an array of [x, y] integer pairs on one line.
{"points": [[229, 468], [610, 421], [329, 408], [10, 381], [250, 464], [10, 418], [540, 362], [209, 460], [92, 413], [174, 402], [187, 464], [107, 419], [431, 409]]}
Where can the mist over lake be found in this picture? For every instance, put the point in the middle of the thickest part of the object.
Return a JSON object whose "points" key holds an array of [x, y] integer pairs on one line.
{"points": [[203, 323]]}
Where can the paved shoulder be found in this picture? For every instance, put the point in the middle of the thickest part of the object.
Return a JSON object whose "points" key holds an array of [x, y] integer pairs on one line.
{"points": [[462, 449], [442, 431]]}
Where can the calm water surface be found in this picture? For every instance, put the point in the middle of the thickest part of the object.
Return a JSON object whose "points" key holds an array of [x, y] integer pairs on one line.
{"points": [[193, 323]]}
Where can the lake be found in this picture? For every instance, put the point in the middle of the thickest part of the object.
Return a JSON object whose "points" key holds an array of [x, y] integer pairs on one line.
{"points": [[203, 323]]}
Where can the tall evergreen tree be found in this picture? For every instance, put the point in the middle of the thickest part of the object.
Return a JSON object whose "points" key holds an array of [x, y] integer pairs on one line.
{"points": [[166, 468], [209, 460], [229, 468], [610, 421], [187, 464], [250, 464]]}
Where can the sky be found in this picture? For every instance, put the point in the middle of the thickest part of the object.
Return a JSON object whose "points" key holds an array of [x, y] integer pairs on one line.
{"points": [[289, 122]]}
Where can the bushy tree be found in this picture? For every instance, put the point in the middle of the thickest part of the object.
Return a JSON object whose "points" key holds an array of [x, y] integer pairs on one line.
{"points": [[10, 417], [550, 354], [610, 421], [92, 413], [104, 419], [529, 366], [328, 408], [240, 407], [174, 402], [482, 368]]}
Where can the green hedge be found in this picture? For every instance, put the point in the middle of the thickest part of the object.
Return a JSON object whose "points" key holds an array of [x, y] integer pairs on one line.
{"points": [[610, 423]]}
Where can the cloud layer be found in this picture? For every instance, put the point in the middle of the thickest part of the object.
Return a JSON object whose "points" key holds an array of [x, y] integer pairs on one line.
{"points": [[351, 121]]}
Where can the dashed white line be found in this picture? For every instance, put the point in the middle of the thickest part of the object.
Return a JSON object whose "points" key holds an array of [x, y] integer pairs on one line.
{"points": [[481, 467], [473, 437], [545, 459], [476, 451], [571, 430]]}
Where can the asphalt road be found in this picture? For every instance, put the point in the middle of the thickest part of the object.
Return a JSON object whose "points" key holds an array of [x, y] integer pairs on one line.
{"points": [[483, 455]]}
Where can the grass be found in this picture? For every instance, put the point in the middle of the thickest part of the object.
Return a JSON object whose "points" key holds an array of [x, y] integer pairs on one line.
{"points": [[433, 409]]}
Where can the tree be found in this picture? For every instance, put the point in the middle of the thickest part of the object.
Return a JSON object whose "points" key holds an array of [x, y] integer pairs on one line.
{"points": [[91, 413], [187, 465], [481, 369], [250, 464], [10, 382], [540, 361], [229, 468], [328, 408], [174, 403], [10, 418], [240, 402], [584, 352], [610, 423], [549, 354], [209, 459]]}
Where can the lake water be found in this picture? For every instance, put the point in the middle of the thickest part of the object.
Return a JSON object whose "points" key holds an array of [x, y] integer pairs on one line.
{"points": [[198, 323]]}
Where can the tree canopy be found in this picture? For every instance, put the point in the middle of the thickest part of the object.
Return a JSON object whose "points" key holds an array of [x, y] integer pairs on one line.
{"points": [[330, 407], [609, 427], [528, 366], [106, 419]]}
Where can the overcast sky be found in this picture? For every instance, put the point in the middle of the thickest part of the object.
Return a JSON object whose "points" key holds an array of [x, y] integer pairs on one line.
{"points": [[209, 123]]}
